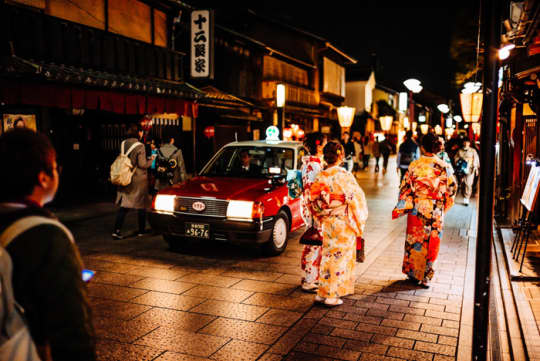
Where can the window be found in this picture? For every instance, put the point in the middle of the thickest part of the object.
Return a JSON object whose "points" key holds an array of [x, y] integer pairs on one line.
{"points": [[251, 162], [334, 78]]}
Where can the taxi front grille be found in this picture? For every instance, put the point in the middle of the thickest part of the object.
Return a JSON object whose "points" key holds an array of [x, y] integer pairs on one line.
{"points": [[213, 207]]}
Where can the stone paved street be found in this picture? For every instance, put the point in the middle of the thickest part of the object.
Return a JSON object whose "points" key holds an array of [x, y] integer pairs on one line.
{"points": [[223, 302]]}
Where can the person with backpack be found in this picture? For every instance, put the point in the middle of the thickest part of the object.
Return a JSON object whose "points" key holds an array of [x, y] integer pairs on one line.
{"points": [[47, 267], [133, 192], [170, 166], [408, 152], [385, 148]]}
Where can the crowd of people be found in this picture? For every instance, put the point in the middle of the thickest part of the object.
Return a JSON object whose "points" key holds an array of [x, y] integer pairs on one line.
{"points": [[334, 205]]}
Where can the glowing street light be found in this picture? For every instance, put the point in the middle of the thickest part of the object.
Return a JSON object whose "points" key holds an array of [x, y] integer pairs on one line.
{"points": [[413, 85], [386, 122], [504, 52], [345, 116], [458, 118], [443, 108]]}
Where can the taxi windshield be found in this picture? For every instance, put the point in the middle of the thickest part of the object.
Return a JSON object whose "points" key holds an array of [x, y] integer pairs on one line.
{"points": [[251, 162]]}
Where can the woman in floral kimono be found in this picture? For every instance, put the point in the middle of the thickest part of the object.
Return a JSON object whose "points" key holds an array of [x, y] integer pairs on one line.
{"points": [[426, 193], [339, 204], [312, 164]]}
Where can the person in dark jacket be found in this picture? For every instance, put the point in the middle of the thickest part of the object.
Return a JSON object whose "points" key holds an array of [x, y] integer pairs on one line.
{"points": [[348, 145], [135, 194], [47, 266], [408, 151]]}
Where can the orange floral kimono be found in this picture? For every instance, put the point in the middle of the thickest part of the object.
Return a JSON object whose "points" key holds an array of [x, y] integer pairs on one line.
{"points": [[426, 193], [339, 204]]}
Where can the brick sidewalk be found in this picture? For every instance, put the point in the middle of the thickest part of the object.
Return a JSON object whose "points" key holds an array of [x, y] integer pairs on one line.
{"points": [[222, 302]]}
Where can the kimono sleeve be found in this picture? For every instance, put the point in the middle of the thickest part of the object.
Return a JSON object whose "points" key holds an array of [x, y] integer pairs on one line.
{"points": [[406, 197], [449, 191], [358, 210]]}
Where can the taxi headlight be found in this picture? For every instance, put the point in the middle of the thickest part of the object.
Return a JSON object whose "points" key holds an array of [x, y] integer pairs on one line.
{"points": [[240, 210], [164, 202]]}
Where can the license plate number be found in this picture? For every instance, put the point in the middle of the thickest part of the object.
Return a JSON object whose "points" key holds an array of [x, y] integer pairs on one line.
{"points": [[198, 230]]}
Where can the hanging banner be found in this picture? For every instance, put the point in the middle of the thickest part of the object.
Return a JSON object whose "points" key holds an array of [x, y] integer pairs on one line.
{"points": [[202, 44]]}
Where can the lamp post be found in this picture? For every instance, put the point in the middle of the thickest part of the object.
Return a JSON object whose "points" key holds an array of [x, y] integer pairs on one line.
{"points": [[413, 85], [280, 104]]}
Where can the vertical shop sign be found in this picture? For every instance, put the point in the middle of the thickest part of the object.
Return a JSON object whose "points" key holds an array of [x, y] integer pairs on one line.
{"points": [[202, 44]]}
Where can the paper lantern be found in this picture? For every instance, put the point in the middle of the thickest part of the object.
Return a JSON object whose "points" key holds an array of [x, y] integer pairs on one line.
{"points": [[438, 129], [471, 106], [386, 122], [424, 128], [345, 116]]}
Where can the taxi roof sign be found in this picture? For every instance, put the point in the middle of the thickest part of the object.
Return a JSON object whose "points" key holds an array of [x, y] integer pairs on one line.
{"points": [[272, 133]]}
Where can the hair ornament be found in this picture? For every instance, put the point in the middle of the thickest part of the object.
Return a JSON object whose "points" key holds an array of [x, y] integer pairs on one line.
{"points": [[318, 142]]}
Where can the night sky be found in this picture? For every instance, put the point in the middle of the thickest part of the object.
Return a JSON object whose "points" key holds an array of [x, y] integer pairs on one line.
{"points": [[409, 41]]}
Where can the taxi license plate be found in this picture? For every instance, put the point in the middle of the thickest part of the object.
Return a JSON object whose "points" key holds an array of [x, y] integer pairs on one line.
{"points": [[198, 230]]}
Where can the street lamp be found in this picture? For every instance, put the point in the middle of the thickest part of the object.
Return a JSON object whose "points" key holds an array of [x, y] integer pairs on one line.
{"points": [[280, 103], [413, 85], [386, 122], [443, 108], [345, 116]]}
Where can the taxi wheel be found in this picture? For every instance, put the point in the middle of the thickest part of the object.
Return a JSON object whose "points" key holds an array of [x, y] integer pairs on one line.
{"points": [[280, 233], [175, 243]]}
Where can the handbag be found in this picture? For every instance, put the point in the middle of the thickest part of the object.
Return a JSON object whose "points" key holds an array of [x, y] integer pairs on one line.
{"points": [[311, 237]]}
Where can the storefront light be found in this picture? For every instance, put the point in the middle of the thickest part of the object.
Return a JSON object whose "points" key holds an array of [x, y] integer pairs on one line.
{"points": [[280, 95], [424, 128], [449, 122], [240, 210], [438, 129], [406, 123]]}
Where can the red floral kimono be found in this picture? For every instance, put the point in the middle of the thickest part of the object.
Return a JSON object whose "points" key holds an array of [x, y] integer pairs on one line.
{"points": [[426, 193]]}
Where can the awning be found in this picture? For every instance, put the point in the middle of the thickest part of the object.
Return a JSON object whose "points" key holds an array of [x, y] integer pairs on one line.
{"points": [[49, 85], [19, 68], [16, 92]]}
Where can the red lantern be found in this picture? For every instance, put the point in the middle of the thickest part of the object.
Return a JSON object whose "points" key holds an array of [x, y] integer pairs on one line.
{"points": [[209, 131]]}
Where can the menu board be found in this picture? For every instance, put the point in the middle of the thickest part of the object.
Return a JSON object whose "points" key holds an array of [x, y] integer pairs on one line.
{"points": [[530, 192]]}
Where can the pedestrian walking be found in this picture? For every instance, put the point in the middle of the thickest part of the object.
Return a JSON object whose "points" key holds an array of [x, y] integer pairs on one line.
{"points": [[407, 153], [444, 155], [338, 203], [426, 193], [358, 152], [467, 166], [47, 267], [385, 147], [135, 194], [368, 146], [348, 145], [312, 165], [376, 153], [171, 167]]}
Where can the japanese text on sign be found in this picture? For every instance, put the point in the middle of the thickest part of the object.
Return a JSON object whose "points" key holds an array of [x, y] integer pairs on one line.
{"points": [[201, 66]]}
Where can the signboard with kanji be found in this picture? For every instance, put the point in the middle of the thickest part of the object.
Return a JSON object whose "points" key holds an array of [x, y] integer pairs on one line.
{"points": [[202, 41], [528, 199]]}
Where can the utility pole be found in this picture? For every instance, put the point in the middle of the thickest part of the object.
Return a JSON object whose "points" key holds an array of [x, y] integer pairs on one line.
{"points": [[491, 13]]}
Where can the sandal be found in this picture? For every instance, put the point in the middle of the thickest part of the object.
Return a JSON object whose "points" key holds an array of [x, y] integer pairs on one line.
{"points": [[309, 287], [424, 284], [332, 302], [320, 299]]}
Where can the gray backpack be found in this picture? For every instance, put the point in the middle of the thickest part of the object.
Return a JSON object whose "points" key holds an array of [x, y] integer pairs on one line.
{"points": [[16, 344]]}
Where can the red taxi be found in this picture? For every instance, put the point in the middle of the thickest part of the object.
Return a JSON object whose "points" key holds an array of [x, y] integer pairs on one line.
{"points": [[240, 196]]}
